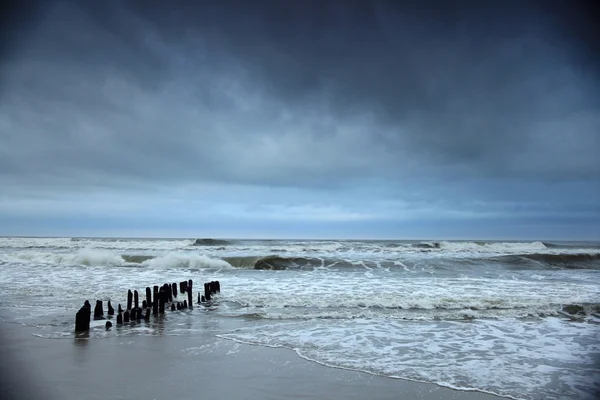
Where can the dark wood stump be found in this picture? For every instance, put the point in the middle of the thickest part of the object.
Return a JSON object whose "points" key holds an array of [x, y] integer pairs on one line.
{"points": [[129, 299], [174, 289], [136, 299], [98, 310], [162, 300], [82, 318], [169, 290], [148, 297], [207, 291], [189, 295], [111, 310], [155, 301]]}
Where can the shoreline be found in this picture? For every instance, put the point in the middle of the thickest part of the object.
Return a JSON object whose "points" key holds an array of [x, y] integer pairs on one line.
{"points": [[168, 367]]}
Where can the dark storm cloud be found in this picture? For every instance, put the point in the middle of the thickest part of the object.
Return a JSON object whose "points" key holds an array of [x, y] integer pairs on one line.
{"points": [[464, 107]]}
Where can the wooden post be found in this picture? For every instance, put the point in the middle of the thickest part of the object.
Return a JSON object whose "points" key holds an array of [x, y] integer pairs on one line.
{"points": [[189, 293], [155, 301], [111, 310], [147, 316], [207, 292], [169, 290], [185, 305], [182, 287], [174, 289], [98, 311], [148, 297], [144, 304], [120, 309], [218, 286], [162, 299], [108, 325], [136, 299], [132, 314], [138, 314], [120, 318], [172, 306], [126, 316], [129, 299], [199, 299], [202, 299], [82, 318]]}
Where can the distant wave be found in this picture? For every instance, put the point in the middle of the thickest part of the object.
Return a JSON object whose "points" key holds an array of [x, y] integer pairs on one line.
{"points": [[275, 262], [575, 245], [210, 242], [555, 261], [426, 245]]}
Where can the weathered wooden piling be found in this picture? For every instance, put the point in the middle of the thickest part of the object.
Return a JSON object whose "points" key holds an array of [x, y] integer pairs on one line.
{"points": [[132, 314], [126, 316], [202, 299], [98, 310], [185, 304], [129, 299], [189, 295], [174, 289], [120, 318], [155, 301], [147, 316], [82, 318], [144, 304], [173, 308], [207, 291], [199, 298], [136, 299], [120, 309], [162, 299], [111, 310], [138, 314], [169, 290], [218, 286], [148, 296], [108, 325], [190, 283]]}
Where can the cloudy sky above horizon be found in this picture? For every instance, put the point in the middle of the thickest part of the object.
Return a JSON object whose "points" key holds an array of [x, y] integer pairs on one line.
{"points": [[309, 119]]}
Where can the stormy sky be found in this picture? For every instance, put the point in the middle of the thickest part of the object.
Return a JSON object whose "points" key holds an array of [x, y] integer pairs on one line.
{"points": [[301, 119]]}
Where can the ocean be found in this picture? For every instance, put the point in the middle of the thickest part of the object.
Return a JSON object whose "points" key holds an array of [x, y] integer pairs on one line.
{"points": [[515, 319]]}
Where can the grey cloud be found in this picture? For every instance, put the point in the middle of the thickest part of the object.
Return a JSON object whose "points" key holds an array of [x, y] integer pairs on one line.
{"points": [[425, 106]]}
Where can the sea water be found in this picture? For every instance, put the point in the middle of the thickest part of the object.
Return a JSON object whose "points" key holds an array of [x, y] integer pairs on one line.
{"points": [[468, 315]]}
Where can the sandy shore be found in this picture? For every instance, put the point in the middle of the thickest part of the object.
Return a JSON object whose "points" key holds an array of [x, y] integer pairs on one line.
{"points": [[183, 367]]}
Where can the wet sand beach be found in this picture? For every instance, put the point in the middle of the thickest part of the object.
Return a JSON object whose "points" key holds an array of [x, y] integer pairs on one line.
{"points": [[183, 367]]}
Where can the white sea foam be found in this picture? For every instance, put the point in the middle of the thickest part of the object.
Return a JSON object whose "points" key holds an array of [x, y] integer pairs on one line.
{"points": [[513, 358], [101, 257], [179, 260]]}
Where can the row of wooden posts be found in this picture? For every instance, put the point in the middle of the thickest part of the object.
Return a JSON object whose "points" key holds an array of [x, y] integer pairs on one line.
{"points": [[156, 300]]}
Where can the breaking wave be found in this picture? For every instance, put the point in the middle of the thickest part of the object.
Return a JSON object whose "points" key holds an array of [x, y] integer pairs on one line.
{"points": [[553, 261], [211, 242], [110, 258]]}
